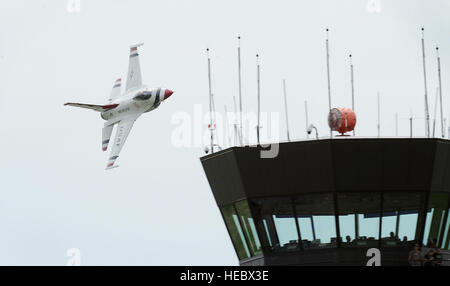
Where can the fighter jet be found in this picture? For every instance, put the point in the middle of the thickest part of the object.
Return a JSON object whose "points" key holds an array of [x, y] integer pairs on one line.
{"points": [[124, 108]]}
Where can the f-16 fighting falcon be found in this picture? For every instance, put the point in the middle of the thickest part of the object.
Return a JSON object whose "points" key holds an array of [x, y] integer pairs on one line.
{"points": [[124, 108]]}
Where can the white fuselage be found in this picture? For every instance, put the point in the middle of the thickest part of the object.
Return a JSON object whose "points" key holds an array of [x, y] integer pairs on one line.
{"points": [[131, 105]]}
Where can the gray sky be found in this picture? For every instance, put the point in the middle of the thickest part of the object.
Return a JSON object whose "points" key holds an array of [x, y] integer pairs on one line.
{"points": [[157, 208]]}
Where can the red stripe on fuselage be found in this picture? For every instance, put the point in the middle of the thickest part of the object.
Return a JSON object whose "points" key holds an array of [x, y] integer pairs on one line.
{"points": [[110, 106]]}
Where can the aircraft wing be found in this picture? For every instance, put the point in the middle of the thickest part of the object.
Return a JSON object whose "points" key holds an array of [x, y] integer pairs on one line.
{"points": [[123, 129], [134, 78]]}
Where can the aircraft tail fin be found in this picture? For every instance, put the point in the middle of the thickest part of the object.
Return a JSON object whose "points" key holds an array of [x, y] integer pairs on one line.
{"points": [[115, 92], [99, 108]]}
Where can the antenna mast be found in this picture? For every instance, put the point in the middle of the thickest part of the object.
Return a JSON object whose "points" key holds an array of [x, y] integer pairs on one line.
{"points": [[328, 78], [306, 115], [378, 125], [445, 125], [240, 92], [286, 110], [427, 114], [411, 124], [440, 91], [210, 102], [259, 97], [351, 82], [435, 110], [235, 123]]}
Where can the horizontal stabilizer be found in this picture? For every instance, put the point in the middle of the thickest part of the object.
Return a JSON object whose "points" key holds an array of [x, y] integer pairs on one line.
{"points": [[99, 108]]}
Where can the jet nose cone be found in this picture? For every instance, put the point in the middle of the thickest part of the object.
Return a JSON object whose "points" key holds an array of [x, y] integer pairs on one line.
{"points": [[167, 93]]}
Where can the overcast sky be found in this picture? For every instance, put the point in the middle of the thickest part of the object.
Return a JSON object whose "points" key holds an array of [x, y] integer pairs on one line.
{"points": [[157, 208]]}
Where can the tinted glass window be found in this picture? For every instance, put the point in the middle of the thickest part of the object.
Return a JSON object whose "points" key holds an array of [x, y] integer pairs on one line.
{"points": [[428, 219], [315, 214], [276, 221], [400, 217], [249, 227], [359, 219], [436, 219], [445, 237], [235, 230], [347, 227]]}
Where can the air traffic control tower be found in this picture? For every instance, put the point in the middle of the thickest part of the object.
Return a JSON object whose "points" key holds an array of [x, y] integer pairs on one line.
{"points": [[326, 202]]}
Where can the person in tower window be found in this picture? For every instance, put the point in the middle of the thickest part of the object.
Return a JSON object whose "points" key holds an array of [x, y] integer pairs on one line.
{"points": [[429, 258], [437, 257], [415, 257]]}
